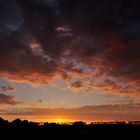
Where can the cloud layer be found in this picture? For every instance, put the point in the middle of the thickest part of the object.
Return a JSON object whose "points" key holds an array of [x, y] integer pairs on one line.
{"points": [[95, 40], [88, 114]]}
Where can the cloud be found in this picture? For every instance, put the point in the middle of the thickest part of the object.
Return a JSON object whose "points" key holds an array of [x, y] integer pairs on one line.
{"points": [[40, 101], [43, 39], [76, 84], [118, 112], [7, 88], [11, 17], [7, 100]]}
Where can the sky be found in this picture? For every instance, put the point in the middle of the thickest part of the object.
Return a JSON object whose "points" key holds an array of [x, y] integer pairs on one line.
{"points": [[70, 60]]}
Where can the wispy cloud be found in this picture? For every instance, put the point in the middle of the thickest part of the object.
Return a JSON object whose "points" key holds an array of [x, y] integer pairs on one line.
{"points": [[118, 112]]}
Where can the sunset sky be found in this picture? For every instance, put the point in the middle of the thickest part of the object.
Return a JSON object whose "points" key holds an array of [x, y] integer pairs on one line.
{"points": [[70, 60]]}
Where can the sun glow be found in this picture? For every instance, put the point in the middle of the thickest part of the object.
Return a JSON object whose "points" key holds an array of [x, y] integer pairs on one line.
{"points": [[60, 120]]}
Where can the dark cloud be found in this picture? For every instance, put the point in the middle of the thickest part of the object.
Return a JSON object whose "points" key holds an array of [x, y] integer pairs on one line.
{"points": [[11, 17], [7, 100], [76, 84], [8, 88], [40, 101], [41, 38]]}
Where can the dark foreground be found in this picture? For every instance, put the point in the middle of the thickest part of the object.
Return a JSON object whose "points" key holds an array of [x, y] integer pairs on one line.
{"points": [[24, 130]]}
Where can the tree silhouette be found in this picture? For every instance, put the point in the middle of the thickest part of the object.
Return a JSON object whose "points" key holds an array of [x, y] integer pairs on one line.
{"points": [[79, 129]]}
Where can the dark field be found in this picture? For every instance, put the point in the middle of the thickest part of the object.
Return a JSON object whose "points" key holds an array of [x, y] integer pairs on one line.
{"points": [[25, 130]]}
